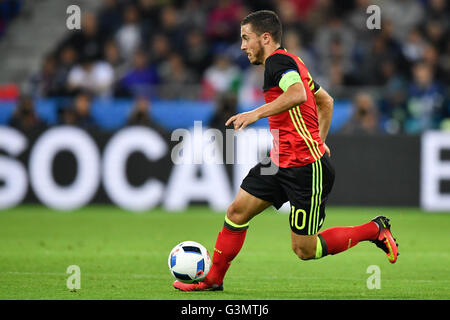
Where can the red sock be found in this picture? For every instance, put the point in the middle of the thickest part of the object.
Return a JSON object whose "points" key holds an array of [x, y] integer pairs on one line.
{"points": [[228, 244], [339, 239]]}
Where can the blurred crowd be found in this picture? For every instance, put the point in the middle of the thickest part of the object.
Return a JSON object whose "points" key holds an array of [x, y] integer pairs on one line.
{"points": [[397, 77]]}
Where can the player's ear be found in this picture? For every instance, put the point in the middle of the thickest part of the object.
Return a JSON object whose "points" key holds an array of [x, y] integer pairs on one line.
{"points": [[266, 38]]}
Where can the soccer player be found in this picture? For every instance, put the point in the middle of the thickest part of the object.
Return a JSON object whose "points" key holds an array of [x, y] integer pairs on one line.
{"points": [[300, 111]]}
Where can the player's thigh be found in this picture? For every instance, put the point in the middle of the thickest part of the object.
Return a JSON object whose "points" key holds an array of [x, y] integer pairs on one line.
{"points": [[245, 206], [307, 188], [307, 216], [258, 191], [265, 186]]}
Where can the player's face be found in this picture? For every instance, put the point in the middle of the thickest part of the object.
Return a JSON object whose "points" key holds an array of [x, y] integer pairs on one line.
{"points": [[252, 45]]}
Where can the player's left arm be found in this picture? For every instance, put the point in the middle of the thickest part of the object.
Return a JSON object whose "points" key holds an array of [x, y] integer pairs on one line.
{"points": [[294, 94], [324, 112]]}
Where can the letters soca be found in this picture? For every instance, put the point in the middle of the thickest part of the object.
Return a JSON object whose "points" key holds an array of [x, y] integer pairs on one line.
{"points": [[183, 184], [109, 170]]}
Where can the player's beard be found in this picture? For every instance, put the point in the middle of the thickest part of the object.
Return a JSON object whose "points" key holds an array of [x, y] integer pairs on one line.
{"points": [[259, 55]]}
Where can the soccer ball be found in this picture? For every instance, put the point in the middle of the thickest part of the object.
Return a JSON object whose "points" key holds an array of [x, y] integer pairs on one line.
{"points": [[189, 262]]}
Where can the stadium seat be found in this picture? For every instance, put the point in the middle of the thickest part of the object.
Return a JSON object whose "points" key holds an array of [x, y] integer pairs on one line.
{"points": [[6, 111], [182, 114], [111, 114], [47, 110], [342, 112]]}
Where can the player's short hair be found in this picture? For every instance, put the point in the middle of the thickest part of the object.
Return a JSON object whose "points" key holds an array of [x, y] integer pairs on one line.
{"points": [[265, 21]]}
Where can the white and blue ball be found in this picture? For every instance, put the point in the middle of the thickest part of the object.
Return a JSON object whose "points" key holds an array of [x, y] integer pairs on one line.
{"points": [[189, 262]]}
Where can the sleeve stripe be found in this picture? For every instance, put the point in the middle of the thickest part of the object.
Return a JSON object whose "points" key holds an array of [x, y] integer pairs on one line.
{"points": [[287, 71], [315, 92]]}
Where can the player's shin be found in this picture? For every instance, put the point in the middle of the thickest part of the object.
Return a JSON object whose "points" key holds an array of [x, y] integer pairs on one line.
{"points": [[338, 239], [228, 244]]}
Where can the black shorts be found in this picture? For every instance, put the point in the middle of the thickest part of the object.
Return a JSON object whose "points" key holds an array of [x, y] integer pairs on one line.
{"points": [[306, 188]]}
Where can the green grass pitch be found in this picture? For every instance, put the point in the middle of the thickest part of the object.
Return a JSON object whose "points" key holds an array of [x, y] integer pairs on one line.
{"points": [[123, 255]]}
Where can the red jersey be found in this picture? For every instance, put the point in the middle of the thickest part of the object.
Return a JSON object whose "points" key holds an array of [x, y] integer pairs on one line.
{"points": [[298, 142]]}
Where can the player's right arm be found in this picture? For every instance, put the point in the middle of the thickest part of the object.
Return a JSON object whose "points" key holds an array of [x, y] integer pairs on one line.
{"points": [[324, 112], [293, 96]]}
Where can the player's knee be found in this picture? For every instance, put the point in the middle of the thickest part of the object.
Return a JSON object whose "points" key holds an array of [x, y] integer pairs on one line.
{"points": [[235, 214], [303, 253]]}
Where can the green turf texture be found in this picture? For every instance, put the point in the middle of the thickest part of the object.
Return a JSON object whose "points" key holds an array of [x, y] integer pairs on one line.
{"points": [[123, 255]]}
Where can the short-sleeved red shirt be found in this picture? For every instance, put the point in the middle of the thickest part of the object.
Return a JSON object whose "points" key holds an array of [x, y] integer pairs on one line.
{"points": [[298, 142]]}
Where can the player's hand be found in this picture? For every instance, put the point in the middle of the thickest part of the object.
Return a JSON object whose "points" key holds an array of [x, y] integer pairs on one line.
{"points": [[242, 120], [327, 149]]}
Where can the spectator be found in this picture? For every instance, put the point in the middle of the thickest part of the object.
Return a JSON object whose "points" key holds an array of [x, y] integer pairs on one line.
{"points": [[358, 20], [111, 54], [160, 48], [88, 42], [141, 79], [109, 17], [393, 101], [292, 19], [388, 74], [393, 108], [141, 112], [301, 9], [194, 14], [334, 40], [234, 52], [141, 115], [370, 72], [221, 77], [67, 58], [293, 43], [46, 82], [319, 14], [426, 99], [392, 47], [435, 33], [414, 47], [128, 36], [250, 92], [80, 113], [170, 26], [334, 79], [226, 107], [197, 51], [96, 77], [223, 21], [437, 11], [150, 11], [365, 116], [24, 117], [431, 57], [404, 14], [177, 79], [444, 64], [66, 116]]}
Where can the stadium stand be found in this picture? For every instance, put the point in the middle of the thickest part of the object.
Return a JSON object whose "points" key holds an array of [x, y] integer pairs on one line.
{"points": [[160, 50]]}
